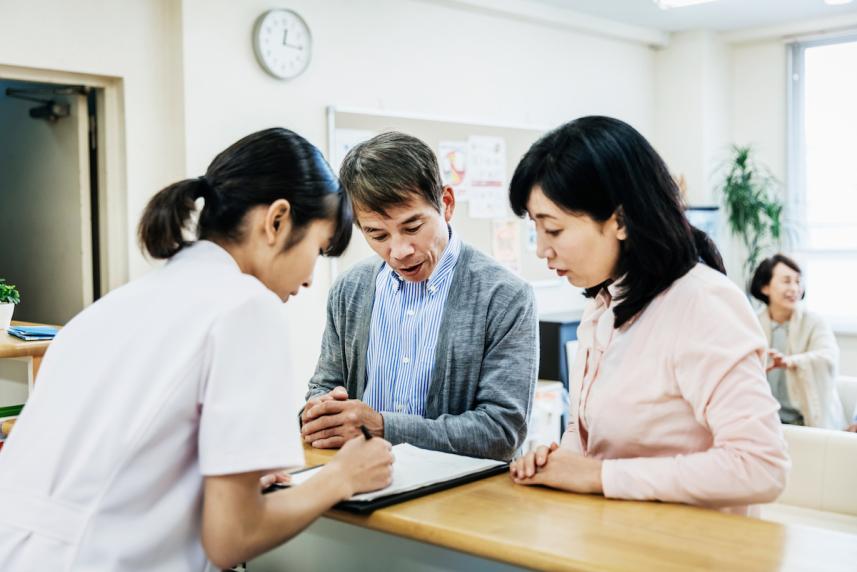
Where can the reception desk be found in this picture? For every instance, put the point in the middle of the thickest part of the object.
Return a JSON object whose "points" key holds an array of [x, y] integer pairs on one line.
{"points": [[493, 524]]}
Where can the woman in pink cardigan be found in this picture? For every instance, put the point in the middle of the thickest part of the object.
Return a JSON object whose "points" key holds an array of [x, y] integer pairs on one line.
{"points": [[669, 399]]}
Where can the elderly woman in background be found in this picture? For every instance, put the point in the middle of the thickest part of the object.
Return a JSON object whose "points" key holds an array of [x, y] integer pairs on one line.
{"points": [[803, 356]]}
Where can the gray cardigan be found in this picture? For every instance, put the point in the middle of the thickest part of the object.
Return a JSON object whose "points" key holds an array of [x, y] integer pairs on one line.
{"points": [[486, 360]]}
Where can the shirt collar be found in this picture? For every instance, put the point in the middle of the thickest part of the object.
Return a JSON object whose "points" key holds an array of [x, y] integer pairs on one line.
{"points": [[207, 251], [441, 273]]}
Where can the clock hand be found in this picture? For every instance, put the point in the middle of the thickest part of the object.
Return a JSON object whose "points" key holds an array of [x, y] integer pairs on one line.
{"points": [[286, 41]]}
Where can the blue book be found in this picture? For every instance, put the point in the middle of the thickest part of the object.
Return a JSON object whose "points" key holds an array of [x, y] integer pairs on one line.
{"points": [[33, 333]]}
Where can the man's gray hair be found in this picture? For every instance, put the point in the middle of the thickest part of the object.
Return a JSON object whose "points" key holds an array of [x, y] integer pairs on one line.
{"points": [[389, 170]]}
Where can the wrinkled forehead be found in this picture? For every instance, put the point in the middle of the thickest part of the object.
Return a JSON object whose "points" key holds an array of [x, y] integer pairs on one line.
{"points": [[414, 209]]}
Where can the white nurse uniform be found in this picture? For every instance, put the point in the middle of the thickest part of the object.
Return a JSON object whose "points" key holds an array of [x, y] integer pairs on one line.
{"points": [[175, 376]]}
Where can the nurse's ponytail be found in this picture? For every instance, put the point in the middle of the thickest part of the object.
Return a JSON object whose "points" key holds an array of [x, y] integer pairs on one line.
{"points": [[257, 170], [164, 225]]}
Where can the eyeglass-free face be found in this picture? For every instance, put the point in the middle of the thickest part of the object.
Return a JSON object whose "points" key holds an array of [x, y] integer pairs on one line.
{"points": [[583, 250]]}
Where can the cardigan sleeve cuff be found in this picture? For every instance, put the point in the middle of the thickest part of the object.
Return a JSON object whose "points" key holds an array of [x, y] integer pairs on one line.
{"points": [[634, 479], [610, 479], [395, 426]]}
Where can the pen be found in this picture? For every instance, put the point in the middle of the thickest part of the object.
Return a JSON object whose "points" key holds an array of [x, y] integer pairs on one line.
{"points": [[366, 432]]}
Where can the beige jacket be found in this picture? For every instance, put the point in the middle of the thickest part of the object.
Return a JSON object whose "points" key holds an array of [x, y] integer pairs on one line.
{"points": [[811, 383]]}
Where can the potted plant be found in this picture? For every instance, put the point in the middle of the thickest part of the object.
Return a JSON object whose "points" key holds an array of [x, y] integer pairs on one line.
{"points": [[9, 296], [753, 208]]}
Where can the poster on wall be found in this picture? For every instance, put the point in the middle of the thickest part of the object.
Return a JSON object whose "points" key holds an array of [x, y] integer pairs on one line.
{"points": [[506, 243], [452, 156], [486, 161], [343, 141], [486, 176], [487, 203]]}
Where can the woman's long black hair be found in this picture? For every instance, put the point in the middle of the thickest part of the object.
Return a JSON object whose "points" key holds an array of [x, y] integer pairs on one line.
{"points": [[598, 166], [257, 170]]}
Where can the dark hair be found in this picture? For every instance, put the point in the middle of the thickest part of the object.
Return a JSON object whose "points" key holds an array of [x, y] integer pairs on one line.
{"points": [[598, 166], [765, 271], [257, 170], [388, 170]]}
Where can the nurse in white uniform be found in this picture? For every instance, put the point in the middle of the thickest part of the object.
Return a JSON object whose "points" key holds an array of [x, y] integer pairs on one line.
{"points": [[159, 409]]}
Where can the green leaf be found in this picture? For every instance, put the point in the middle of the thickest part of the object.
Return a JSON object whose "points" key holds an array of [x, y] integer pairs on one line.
{"points": [[754, 210], [8, 293]]}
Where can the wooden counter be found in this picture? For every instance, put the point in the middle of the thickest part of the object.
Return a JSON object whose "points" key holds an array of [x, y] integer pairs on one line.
{"points": [[10, 346], [15, 385], [551, 530]]}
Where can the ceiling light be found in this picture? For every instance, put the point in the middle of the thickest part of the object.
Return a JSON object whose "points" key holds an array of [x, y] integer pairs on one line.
{"points": [[836, 2], [667, 4]]}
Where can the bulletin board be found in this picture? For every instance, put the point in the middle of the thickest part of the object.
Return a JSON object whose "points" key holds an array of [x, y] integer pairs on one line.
{"points": [[477, 160]]}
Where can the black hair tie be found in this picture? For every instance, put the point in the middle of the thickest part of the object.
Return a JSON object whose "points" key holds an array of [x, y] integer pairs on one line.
{"points": [[204, 189]]}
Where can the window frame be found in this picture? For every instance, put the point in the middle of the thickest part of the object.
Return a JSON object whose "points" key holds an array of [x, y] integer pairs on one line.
{"points": [[796, 185]]}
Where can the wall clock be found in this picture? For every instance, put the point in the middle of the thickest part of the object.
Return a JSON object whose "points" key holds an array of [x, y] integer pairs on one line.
{"points": [[283, 43]]}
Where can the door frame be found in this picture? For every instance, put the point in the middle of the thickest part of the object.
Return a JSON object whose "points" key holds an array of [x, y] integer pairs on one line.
{"points": [[111, 167]]}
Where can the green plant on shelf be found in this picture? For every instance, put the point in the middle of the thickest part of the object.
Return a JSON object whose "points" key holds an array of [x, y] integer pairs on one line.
{"points": [[8, 293]]}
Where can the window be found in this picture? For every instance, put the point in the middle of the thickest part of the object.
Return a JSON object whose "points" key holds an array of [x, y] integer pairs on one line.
{"points": [[823, 172]]}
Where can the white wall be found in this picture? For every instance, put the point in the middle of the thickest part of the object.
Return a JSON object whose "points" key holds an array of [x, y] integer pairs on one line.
{"points": [[397, 55], [136, 40], [692, 110], [759, 101]]}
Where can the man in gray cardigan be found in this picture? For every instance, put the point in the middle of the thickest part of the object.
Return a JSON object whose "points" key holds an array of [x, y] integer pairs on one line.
{"points": [[434, 343]]}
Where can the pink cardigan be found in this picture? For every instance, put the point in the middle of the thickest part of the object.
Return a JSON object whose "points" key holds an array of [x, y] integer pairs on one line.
{"points": [[676, 403]]}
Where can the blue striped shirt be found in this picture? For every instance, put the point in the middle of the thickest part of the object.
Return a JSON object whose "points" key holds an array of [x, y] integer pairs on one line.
{"points": [[403, 335]]}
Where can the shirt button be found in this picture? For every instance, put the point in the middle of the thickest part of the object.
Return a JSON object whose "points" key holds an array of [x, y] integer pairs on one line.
{"points": [[400, 407], [410, 312], [406, 359]]}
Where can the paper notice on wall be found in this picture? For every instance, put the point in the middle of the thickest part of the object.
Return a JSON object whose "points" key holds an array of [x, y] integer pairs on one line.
{"points": [[487, 203], [452, 156], [343, 141], [506, 243], [486, 161], [486, 176]]}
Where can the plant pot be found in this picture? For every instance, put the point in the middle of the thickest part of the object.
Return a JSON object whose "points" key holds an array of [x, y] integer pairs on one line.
{"points": [[6, 315]]}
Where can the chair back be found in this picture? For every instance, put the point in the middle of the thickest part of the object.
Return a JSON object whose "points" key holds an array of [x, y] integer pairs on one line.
{"points": [[824, 469]]}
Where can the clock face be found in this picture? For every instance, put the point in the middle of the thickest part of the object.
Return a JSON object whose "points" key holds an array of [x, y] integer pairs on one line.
{"points": [[282, 43]]}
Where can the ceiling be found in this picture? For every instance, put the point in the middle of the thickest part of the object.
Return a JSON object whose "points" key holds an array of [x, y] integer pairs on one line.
{"points": [[722, 15]]}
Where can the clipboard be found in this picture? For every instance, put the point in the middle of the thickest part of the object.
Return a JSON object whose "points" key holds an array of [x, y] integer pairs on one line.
{"points": [[367, 507]]}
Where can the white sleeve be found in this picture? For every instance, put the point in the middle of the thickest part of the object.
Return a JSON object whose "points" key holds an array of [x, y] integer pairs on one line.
{"points": [[247, 421]]}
